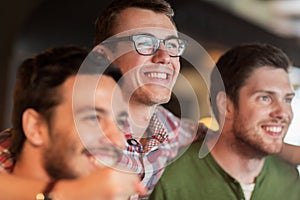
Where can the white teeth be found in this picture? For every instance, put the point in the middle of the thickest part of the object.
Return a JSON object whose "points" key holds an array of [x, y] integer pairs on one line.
{"points": [[157, 75], [275, 129]]}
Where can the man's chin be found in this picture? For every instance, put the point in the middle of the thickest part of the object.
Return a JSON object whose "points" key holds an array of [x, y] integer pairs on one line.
{"points": [[153, 96], [162, 94], [159, 99], [272, 149]]}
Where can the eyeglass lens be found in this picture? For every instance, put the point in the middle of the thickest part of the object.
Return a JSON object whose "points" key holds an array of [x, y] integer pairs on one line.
{"points": [[148, 45]]}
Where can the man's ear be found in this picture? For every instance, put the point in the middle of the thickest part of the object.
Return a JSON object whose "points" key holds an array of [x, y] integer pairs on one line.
{"points": [[34, 127], [102, 49], [221, 103], [225, 105]]}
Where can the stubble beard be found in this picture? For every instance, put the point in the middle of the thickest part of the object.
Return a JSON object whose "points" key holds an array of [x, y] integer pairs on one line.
{"points": [[56, 161], [249, 143], [149, 98]]}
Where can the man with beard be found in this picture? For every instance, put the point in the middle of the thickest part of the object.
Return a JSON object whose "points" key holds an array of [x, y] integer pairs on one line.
{"points": [[141, 38], [64, 128], [255, 111], [146, 48]]}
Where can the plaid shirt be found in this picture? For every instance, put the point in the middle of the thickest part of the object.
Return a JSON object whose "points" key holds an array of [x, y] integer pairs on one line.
{"points": [[6, 159], [166, 134]]}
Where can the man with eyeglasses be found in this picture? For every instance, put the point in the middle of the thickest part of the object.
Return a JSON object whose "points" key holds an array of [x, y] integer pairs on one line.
{"points": [[140, 37], [146, 47]]}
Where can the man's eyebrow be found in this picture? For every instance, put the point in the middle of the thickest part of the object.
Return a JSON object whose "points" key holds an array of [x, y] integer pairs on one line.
{"points": [[92, 109], [153, 35], [264, 91], [291, 94], [273, 93]]}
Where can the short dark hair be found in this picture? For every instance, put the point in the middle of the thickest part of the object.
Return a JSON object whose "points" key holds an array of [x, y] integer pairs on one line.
{"points": [[39, 78], [236, 65], [104, 25]]}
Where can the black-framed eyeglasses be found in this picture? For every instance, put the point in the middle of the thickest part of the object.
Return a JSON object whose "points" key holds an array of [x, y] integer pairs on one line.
{"points": [[148, 45]]}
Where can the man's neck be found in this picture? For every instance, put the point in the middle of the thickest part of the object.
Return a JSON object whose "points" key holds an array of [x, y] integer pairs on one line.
{"points": [[243, 168], [140, 116], [29, 164]]}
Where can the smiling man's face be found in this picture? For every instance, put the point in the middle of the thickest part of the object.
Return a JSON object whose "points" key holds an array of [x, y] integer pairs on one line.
{"points": [[147, 79], [264, 111], [84, 127]]}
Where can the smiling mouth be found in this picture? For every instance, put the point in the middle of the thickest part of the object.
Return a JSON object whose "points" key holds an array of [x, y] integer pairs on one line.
{"points": [[273, 130], [102, 156], [157, 75]]}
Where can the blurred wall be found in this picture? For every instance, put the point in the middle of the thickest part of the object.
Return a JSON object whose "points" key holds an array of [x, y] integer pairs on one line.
{"points": [[30, 26]]}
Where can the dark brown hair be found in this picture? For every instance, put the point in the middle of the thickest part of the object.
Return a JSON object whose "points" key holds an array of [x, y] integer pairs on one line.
{"points": [[40, 77], [236, 65], [105, 23]]}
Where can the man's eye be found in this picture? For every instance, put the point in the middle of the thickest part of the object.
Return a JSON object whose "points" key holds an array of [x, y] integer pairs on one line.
{"points": [[93, 118], [265, 98], [172, 45], [288, 100], [121, 122], [144, 44]]}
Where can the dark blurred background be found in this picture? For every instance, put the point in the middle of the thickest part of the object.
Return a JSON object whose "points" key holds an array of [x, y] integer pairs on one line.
{"points": [[30, 26]]}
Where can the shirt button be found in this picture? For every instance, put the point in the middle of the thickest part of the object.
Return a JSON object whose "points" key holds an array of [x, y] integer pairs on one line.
{"points": [[133, 142]]}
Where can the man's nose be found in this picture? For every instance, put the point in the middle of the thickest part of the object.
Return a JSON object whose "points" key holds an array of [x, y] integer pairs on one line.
{"points": [[116, 136], [161, 55], [282, 111]]}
